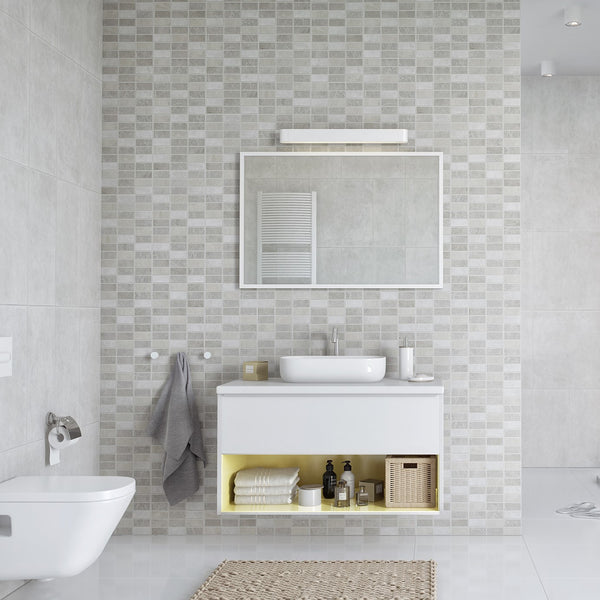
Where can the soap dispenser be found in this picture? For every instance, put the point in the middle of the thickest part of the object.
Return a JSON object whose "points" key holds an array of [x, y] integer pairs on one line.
{"points": [[329, 481], [348, 477], [406, 361]]}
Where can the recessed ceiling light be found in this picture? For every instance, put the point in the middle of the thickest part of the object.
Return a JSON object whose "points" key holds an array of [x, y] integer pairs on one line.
{"points": [[573, 16], [547, 68]]}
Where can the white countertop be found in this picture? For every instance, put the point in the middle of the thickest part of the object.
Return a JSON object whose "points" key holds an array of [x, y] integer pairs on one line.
{"points": [[387, 386]]}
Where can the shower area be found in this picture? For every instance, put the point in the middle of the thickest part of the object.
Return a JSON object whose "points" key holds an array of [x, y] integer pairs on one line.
{"points": [[560, 214], [561, 268]]}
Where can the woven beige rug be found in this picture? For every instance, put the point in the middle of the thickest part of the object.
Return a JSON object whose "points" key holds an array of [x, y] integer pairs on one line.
{"points": [[320, 580]]}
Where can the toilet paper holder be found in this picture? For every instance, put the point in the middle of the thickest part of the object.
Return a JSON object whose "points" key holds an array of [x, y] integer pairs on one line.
{"points": [[62, 433], [69, 423]]}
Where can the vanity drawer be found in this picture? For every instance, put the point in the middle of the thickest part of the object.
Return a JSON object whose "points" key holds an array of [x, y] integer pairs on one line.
{"points": [[329, 424]]}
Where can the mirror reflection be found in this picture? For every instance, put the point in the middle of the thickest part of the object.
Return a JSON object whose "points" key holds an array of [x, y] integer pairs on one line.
{"points": [[341, 219]]}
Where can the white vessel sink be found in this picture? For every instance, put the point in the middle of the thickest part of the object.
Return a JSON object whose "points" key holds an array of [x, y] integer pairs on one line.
{"points": [[332, 369]]}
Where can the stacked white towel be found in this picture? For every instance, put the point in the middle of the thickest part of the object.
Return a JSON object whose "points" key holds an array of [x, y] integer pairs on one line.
{"points": [[263, 485]]}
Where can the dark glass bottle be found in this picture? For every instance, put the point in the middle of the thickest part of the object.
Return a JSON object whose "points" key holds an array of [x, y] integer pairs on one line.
{"points": [[329, 481]]}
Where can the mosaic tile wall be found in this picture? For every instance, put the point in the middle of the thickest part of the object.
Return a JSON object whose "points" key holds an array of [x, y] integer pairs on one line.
{"points": [[187, 86]]}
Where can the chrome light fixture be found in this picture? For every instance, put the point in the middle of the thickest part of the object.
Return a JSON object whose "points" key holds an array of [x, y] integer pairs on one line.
{"points": [[573, 16], [547, 68]]}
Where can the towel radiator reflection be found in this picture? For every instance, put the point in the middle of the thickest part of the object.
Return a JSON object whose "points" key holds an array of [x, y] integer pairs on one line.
{"points": [[287, 237]]}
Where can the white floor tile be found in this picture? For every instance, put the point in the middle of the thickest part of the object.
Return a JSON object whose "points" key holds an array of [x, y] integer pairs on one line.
{"points": [[576, 588], [494, 568], [556, 558], [569, 559]]}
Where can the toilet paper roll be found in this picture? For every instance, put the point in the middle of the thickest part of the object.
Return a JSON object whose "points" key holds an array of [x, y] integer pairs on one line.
{"points": [[59, 439]]}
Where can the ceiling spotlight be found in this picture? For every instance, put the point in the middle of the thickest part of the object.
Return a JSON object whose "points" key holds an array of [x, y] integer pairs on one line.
{"points": [[547, 69], [573, 16]]}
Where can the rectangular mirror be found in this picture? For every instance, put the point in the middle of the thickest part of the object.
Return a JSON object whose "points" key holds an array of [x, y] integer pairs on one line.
{"points": [[341, 220]]}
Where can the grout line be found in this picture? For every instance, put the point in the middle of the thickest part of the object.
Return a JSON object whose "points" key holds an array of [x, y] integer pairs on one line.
{"points": [[535, 566], [27, 26], [10, 594], [53, 175]]}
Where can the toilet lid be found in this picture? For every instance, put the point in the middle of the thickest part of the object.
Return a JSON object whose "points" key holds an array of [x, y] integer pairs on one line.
{"points": [[65, 488]]}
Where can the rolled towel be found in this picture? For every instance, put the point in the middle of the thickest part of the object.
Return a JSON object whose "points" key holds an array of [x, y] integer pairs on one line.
{"points": [[266, 498], [265, 490], [262, 476]]}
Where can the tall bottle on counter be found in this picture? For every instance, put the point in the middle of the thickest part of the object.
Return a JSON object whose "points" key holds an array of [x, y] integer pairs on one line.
{"points": [[406, 360]]}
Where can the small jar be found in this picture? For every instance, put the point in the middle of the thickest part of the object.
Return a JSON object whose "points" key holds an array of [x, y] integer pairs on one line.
{"points": [[362, 496], [309, 495], [342, 500]]}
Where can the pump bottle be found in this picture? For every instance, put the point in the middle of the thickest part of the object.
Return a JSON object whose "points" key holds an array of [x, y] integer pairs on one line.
{"points": [[329, 481], [348, 476]]}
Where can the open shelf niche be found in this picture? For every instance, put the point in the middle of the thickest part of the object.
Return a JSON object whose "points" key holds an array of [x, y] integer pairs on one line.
{"points": [[312, 468]]}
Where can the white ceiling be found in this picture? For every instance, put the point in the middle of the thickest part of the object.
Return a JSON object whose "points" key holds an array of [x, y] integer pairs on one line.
{"points": [[574, 50]]}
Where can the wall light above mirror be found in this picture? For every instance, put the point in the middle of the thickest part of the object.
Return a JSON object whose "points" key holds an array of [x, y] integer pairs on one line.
{"points": [[341, 220], [343, 136]]}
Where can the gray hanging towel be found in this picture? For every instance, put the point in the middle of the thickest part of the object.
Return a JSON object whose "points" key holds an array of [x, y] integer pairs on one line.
{"points": [[176, 426]]}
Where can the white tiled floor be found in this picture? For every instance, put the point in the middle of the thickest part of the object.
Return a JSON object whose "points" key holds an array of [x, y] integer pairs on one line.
{"points": [[557, 558]]}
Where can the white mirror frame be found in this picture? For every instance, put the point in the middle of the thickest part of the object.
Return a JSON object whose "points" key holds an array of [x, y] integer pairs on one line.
{"points": [[436, 285]]}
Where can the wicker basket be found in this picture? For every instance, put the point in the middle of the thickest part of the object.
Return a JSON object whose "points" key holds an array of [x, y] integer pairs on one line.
{"points": [[410, 481]]}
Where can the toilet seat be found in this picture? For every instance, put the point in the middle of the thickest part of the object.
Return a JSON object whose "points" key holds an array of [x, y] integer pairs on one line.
{"points": [[65, 488]]}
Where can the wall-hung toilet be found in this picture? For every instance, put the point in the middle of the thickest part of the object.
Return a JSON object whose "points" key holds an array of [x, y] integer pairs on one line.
{"points": [[57, 526]]}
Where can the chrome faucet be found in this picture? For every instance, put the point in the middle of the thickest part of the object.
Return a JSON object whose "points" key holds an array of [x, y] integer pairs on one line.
{"points": [[334, 341]]}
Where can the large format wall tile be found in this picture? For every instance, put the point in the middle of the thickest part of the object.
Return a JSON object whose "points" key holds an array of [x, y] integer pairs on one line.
{"points": [[44, 60], [566, 350], [42, 239], [44, 20], [67, 247], [546, 124], [67, 359], [583, 212], [43, 390], [88, 406], [561, 428], [69, 110], [563, 270], [17, 9], [561, 251], [13, 232], [88, 248], [50, 132], [545, 192], [79, 126], [584, 122], [91, 133], [14, 50], [13, 390], [80, 33]]}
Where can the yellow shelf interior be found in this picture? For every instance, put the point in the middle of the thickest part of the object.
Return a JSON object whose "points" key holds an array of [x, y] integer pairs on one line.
{"points": [[312, 468]]}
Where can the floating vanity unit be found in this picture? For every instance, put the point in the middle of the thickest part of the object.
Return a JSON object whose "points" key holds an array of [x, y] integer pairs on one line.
{"points": [[277, 424]]}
